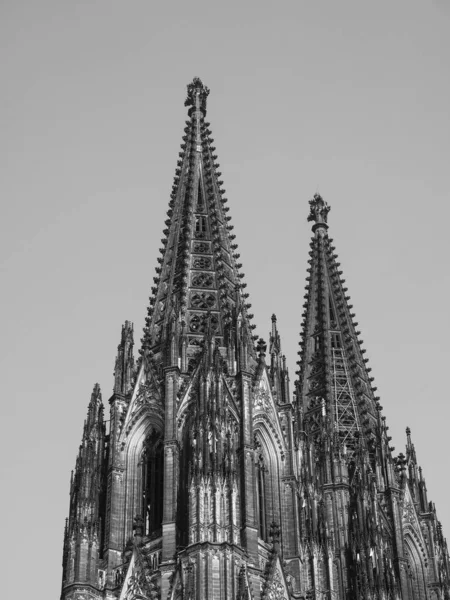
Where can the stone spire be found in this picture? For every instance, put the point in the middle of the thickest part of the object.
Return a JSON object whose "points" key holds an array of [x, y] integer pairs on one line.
{"points": [[124, 367], [278, 370], [211, 482], [198, 282], [84, 529], [334, 380]]}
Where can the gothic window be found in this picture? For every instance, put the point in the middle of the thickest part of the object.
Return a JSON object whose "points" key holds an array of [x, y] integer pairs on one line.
{"points": [[152, 484], [261, 472], [200, 224], [317, 343], [186, 511], [200, 198], [331, 308], [416, 579], [336, 340]]}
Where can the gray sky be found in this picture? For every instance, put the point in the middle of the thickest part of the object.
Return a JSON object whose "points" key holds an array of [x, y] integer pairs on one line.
{"points": [[346, 98]]}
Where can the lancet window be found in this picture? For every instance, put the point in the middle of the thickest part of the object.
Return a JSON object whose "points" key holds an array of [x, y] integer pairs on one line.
{"points": [[200, 224], [332, 313], [415, 572], [261, 476], [152, 484], [200, 198], [336, 340]]}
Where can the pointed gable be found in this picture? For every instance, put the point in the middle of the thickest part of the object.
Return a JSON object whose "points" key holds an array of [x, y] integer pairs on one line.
{"points": [[147, 398], [276, 586], [136, 585], [265, 409]]}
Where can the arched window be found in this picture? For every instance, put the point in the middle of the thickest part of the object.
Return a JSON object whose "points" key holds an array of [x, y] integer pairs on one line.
{"points": [[261, 470], [152, 484], [267, 488], [200, 198], [186, 503], [416, 579], [200, 224]]}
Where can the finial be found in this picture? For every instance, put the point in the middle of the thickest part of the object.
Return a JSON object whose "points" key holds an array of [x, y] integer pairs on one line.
{"points": [[274, 318], [127, 326], [318, 212], [138, 526], [196, 90], [261, 346], [274, 533]]}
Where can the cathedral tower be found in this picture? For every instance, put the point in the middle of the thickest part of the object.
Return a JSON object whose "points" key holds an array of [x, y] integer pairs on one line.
{"points": [[215, 483]]}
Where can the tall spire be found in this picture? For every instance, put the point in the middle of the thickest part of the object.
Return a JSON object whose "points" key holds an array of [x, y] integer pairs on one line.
{"points": [[198, 283], [334, 381]]}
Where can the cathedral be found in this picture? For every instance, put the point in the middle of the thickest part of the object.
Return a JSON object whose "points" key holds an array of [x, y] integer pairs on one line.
{"points": [[217, 479]]}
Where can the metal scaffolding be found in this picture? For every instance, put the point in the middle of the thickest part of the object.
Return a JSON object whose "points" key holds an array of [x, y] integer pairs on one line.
{"points": [[346, 415]]}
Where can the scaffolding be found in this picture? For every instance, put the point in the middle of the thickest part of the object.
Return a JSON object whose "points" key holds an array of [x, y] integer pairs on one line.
{"points": [[345, 413]]}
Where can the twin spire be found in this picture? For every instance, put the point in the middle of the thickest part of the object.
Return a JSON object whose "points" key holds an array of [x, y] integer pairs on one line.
{"points": [[199, 291], [198, 406], [334, 383], [198, 287]]}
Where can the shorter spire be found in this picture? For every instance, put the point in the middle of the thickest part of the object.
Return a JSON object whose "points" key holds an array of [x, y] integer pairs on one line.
{"points": [[318, 212], [124, 367], [275, 342], [410, 450], [278, 370], [95, 412]]}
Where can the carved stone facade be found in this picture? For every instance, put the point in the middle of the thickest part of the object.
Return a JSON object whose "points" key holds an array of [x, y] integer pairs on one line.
{"points": [[213, 480]]}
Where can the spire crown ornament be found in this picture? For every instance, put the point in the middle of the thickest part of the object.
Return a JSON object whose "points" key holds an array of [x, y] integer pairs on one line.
{"points": [[197, 93], [318, 212]]}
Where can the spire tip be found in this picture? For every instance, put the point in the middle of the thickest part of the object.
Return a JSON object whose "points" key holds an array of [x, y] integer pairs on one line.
{"points": [[318, 212], [197, 93]]}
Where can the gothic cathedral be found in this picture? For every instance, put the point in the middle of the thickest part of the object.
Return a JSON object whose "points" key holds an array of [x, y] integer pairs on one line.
{"points": [[214, 481]]}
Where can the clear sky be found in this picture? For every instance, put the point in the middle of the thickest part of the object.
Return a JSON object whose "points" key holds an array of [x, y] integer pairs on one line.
{"points": [[350, 99]]}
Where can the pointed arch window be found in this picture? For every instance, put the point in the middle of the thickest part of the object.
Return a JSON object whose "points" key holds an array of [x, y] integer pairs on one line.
{"points": [[331, 310], [200, 197], [336, 340], [415, 570], [200, 224], [261, 476], [317, 343], [152, 484]]}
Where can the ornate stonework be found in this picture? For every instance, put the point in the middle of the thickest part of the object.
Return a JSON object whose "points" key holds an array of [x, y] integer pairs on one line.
{"points": [[212, 480]]}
